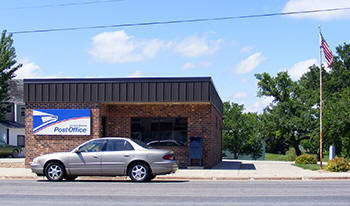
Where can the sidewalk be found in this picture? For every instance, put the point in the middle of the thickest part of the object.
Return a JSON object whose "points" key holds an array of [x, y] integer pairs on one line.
{"points": [[258, 170], [227, 170]]}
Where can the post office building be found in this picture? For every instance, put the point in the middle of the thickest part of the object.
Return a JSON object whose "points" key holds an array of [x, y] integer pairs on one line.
{"points": [[181, 114]]}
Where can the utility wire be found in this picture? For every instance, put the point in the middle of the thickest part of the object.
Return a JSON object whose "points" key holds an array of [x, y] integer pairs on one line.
{"points": [[181, 21], [66, 4]]}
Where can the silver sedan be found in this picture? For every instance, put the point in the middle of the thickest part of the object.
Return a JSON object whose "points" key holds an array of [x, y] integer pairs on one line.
{"points": [[110, 156]]}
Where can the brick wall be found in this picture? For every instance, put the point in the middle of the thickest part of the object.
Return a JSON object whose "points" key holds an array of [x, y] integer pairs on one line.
{"points": [[216, 138], [201, 123], [42, 144]]}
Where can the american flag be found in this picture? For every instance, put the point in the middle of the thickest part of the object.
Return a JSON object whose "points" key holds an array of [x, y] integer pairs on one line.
{"points": [[327, 52]]}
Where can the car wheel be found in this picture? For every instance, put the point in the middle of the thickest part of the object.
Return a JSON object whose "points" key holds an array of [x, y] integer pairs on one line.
{"points": [[54, 171], [139, 172], [14, 153], [70, 178]]}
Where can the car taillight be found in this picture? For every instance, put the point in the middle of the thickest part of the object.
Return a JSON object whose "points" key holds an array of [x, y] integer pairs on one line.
{"points": [[169, 157]]}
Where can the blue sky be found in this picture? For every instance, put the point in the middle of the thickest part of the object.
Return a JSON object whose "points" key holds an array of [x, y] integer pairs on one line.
{"points": [[230, 51]]}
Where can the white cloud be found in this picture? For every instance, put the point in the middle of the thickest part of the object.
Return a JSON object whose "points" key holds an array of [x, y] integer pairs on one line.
{"points": [[205, 64], [244, 80], [259, 105], [137, 73], [301, 68], [241, 98], [247, 49], [301, 5], [240, 95], [118, 47], [191, 65], [249, 64], [28, 70], [196, 47], [250, 102]]}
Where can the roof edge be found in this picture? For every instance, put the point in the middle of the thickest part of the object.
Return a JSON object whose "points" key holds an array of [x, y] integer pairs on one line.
{"points": [[126, 79]]}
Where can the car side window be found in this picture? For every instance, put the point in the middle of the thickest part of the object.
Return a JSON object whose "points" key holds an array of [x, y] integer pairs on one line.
{"points": [[118, 145], [93, 146], [128, 146]]}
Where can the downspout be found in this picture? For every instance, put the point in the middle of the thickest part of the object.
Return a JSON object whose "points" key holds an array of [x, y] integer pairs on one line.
{"points": [[8, 136]]}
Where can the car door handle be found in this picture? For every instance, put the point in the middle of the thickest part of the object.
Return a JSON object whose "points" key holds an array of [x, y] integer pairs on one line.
{"points": [[95, 156], [126, 155]]}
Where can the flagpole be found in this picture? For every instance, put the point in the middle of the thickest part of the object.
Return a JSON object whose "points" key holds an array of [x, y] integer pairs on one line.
{"points": [[319, 28]]}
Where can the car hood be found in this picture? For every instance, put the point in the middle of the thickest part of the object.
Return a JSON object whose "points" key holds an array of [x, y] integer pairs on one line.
{"points": [[13, 147], [54, 155]]}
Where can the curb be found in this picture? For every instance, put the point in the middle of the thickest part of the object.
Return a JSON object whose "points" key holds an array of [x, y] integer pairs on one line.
{"points": [[253, 178], [17, 178], [91, 178], [330, 178]]}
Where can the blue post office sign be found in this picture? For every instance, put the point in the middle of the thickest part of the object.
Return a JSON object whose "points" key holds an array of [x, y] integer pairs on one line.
{"points": [[61, 122]]}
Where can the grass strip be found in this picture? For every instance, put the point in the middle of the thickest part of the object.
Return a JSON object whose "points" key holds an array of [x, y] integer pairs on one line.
{"points": [[310, 166]]}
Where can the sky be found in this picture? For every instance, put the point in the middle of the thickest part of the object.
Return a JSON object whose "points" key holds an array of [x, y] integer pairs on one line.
{"points": [[231, 52]]}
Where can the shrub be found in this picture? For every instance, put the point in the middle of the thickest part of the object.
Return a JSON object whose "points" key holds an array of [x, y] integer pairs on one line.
{"points": [[290, 155], [338, 164], [305, 159]]}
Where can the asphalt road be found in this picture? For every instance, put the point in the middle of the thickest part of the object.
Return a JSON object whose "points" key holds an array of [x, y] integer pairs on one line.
{"points": [[14, 192]]}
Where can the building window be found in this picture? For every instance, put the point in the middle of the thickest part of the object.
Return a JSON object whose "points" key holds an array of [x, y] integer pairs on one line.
{"points": [[20, 140], [9, 108], [160, 131], [23, 113]]}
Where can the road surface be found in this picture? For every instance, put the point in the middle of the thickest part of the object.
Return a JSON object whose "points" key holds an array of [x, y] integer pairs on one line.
{"points": [[269, 193]]}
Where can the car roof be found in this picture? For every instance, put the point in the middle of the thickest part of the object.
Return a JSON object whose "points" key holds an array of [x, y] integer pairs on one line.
{"points": [[120, 138], [113, 138]]}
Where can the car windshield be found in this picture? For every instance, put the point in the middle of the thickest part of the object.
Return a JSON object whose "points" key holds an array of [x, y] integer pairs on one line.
{"points": [[2, 143], [142, 144]]}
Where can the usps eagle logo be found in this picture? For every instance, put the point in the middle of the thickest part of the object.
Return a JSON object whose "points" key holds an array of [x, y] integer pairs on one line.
{"points": [[43, 118], [61, 122]]}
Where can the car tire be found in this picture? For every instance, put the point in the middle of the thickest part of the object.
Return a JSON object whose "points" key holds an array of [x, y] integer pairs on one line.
{"points": [[15, 153], [70, 178], [54, 171], [152, 177], [139, 172]]}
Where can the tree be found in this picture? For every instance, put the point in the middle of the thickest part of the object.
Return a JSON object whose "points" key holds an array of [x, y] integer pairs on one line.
{"points": [[240, 131], [292, 114], [293, 118], [336, 101], [270, 133], [310, 83], [8, 66], [254, 139]]}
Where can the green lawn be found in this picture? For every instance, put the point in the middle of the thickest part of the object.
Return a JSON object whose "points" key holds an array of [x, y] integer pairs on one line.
{"points": [[311, 166], [281, 157], [278, 157], [274, 157]]}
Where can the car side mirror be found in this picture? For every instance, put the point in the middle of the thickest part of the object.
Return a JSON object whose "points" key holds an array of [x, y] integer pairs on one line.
{"points": [[77, 151]]}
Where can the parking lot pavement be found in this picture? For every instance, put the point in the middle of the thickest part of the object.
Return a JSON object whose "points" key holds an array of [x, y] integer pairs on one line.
{"points": [[13, 168]]}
